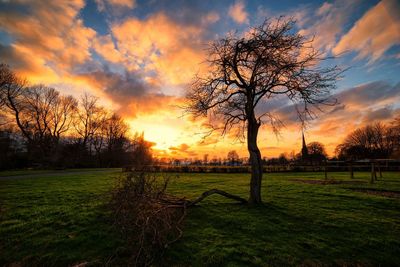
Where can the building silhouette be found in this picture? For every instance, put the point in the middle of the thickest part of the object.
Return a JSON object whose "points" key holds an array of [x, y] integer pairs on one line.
{"points": [[304, 149]]}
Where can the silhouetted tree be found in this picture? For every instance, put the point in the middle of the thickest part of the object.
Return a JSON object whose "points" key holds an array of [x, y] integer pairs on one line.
{"points": [[233, 156], [89, 119], [371, 141], [11, 95], [115, 131], [316, 152], [269, 60], [36, 121], [62, 114], [283, 159], [393, 137], [141, 152]]}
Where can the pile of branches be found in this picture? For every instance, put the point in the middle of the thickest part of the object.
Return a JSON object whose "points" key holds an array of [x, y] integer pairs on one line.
{"points": [[147, 216]]}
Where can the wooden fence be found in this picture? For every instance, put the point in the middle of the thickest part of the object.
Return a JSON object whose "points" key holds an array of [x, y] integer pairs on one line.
{"points": [[376, 167]]}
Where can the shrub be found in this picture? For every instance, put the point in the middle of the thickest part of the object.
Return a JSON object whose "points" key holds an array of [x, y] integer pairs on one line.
{"points": [[146, 215]]}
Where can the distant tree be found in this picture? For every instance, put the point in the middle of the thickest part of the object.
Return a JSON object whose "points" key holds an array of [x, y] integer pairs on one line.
{"points": [[283, 159], [371, 141], [233, 156], [62, 115], [11, 96], [41, 114], [205, 159], [8, 149], [316, 152], [40, 125], [115, 130], [393, 137], [246, 70], [142, 153], [7, 80], [89, 119]]}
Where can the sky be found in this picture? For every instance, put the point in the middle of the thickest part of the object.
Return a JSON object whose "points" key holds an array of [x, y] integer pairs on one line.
{"points": [[138, 57]]}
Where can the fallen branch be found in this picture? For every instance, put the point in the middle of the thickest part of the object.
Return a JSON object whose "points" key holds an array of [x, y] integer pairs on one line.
{"points": [[148, 217], [215, 191]]}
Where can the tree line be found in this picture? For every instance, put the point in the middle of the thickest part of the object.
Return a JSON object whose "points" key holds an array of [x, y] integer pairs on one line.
{"points": [[373, 141], [40, 127]]}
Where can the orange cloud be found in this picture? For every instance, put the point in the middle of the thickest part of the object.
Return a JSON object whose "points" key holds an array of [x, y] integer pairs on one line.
{"points": [[105, 46], [115, 3], [210, 18], [158, 44], [238, 13], [326, 23], [373, 34], [48, 35]]}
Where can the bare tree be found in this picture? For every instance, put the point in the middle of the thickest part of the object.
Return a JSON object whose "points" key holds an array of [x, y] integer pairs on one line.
{"points": [[7, 78], [371, 141], [12, 89], [268, 61], [110, 141], [115, 131], [39, 101], [89, 119], [233, 156], [142, 154], [316, 152], [393, 137], [62, 115], [44, 118]]}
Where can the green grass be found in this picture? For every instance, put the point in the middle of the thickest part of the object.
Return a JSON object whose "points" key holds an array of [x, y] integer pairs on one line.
{"points": [[39, 172], [61, 220], [56, 220], [22, 172]]}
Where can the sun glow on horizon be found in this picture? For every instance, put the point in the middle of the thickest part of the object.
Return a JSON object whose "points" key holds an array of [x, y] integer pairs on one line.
{"points": [[163, 135]]}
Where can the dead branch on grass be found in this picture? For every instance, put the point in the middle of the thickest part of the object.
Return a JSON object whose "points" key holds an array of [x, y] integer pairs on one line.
{"points": [[148, 217]]}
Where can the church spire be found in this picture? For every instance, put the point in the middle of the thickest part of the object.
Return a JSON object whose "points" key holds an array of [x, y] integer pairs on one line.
{"points": [[304, 149]]}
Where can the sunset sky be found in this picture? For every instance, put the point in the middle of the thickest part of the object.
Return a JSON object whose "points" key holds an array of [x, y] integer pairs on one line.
{"points": [[139, 56]]}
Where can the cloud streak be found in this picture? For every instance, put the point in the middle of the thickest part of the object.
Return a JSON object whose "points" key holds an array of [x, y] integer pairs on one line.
{"points": [[373, 34], [238, 13]]}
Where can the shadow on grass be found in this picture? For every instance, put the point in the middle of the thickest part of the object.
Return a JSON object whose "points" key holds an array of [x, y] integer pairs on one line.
{"points": [[233, 234]]}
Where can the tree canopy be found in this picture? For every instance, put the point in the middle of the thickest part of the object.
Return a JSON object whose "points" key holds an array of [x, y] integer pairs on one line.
{"points": [[249, 69]]}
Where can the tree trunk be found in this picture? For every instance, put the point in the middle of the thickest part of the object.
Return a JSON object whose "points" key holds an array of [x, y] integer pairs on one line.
{"points": [[255, 160], [215, 191]]}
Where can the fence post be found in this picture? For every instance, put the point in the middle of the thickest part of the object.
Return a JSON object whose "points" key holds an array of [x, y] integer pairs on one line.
{"points": [[373, 174], [351, 170]]}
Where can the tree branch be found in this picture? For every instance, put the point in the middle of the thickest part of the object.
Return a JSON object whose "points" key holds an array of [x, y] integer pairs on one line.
{"points": [[215, 191]]}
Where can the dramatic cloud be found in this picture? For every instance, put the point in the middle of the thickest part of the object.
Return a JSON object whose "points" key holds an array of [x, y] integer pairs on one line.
{"points": [[131, 94], [210, 18], [101, 4], [238, 13], [380, 114], [105, 46], [325, 24], [46, 34], [158, 44], [360, 105], [371, 94], [373, 34], [182, 149]]}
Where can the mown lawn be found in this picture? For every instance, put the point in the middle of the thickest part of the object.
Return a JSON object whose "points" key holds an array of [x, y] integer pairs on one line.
{"points": [[61, 220]]}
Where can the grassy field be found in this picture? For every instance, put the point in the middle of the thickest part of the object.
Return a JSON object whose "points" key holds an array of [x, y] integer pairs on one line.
{"points": [[60, 220]]}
